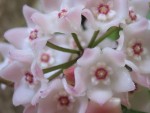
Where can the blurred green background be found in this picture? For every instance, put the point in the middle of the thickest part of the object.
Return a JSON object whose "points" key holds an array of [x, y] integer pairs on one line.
{"points": [[11, 16]]}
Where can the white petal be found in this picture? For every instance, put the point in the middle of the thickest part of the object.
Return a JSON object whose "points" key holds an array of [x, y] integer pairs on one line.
{"points": [[99, 95], [122, 82]]}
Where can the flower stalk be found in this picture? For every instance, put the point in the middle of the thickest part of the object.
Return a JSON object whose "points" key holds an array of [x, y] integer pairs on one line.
{"points": [[53, 46]]}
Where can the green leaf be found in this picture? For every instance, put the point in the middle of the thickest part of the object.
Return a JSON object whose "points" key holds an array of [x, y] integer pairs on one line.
{"points": [[111, 32], [126, 110], [115, 35]]}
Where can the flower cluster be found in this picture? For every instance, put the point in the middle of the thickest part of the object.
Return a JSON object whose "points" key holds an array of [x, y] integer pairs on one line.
{"points": [[80, 56]]}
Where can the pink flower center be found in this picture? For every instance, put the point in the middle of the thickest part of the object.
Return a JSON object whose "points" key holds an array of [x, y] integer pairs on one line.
{"points": [[29, 77], [103, 9], [62, 13], [64, 100], [132, 15], [33, 35], [101, 73], [137, 49], [45, 57]]}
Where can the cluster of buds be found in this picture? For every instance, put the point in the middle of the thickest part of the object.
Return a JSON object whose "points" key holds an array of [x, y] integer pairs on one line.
{"points": [[80, 56]]}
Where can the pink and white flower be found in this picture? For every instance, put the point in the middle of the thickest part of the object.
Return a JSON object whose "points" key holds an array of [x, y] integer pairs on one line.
{"points": [[104, 14], [62, 17], [136, 48], [56, 99], [101, 75], [112, 106]]}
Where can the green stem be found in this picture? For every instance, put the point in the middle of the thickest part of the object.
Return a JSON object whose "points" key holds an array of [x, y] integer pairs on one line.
{"points": [[75, 37], [61, 66], [53, 46], [6, 82], [55, 75], [104, 36], [93, 38]]}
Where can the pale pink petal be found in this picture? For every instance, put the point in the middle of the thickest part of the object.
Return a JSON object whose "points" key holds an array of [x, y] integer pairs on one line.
{"points": [[48, 103], [141, 79], [91, 3], [89, 16], [121, 8], [80, 86], [36, 70], [142, 26], [24, 56], [82, 80], [116, 57], [100, 95], [51, 5], [38, 45], [23, 94], [120, 41], [47, 23], [53, 85], [89, 56], [76, 3], [144, 66], [27, 12], [122, 81], [112, 106], [74, 18], [16, 36], [47, 106], [82, 105], [38, 95], [4, 49], [141, 6], [12, 72]]}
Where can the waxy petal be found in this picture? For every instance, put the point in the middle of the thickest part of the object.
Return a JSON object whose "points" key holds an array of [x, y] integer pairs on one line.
{"points": [[141, 7], [100, 95], [16, 36], [30, 109], [28, 12], [117, 57], [89, 56], [24, 56], [122, 81], [23, 90], [112, 106], [12, 72], [51, 5]]}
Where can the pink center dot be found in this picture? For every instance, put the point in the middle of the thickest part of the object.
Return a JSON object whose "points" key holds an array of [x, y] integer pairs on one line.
{"points": [[29, 77], [137, 48], [62, 13], [33, 35], [45, 57], [64, 100], [101, 73], [132, 15], [103, 9]]}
